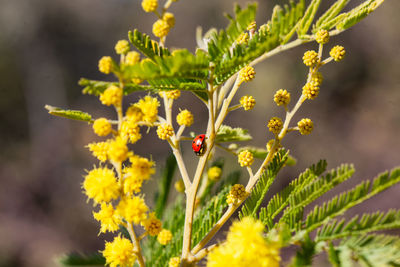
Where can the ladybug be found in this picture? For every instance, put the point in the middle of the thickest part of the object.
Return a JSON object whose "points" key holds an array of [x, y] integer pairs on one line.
{"points": [[199, 145]]}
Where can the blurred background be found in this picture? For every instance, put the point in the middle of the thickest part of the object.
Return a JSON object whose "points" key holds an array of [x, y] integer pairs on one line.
{"points": [[46, 46]]}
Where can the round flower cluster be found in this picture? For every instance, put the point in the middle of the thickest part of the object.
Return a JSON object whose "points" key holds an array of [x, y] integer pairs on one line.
{"points": [[310, 90], [275, 125], [119, 252], [214, 173], [122, 47], [236, 195], [317, 78], [243, 38], [246, 74], [130, 131], [174, 262], [105, 65], [310, 58], [152, 225], [337, 52], [322, 36], [248, 102], [99, 150], [111, 96], [132, 58], [305, 126], [179, 186], [161, 28], [282, 97], [164, 237], [102, 127], [117, 150], [149, 107], [165, 131], [110, 220], [149, 5], [169, 18], [245, 158], [185, 117]]}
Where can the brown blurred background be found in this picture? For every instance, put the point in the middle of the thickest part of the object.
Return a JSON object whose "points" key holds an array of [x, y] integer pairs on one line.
{"points": [[46, 46]]}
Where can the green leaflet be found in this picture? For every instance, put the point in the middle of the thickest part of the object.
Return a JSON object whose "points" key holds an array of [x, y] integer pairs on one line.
{"points": [[308, 18], [93, 87], [357, 14], [78, 259], [228, 134], [144, 44], [258, 193], [330, 14], [69, 114]]}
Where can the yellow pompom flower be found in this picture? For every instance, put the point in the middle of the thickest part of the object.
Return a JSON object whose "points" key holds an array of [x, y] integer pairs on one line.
{"points": [[169, 19], [245, 158], [248, 102], [122, 47], [118, 150], [112, 96], [322, 37], [165, 131], [310, 58], [99, 150], [236, 194], [105, 65], [132, 58], [134, 114], [102, 127], [214, 173], [152, 225], [171, 94], [185, 117], [245, 246], [282, 97], [149, 5], [174, 262], [133, 209], [337, 52], [243, 38], [141, 167], [119, 253], [161, 28], [246, 74], [108, 218], [317, 78], [164, 237], [101, 185], [179, 186], [305, 126], [310, 90], [132, 184], [130, 131], [275, 125], [252, 26], [149, 107]]}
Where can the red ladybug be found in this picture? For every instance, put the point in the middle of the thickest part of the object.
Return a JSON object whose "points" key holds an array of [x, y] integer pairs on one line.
{"points": [[199, 144]]}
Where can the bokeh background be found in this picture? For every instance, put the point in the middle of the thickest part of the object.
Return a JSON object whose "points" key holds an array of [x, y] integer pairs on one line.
{"points": [[46, 46]]}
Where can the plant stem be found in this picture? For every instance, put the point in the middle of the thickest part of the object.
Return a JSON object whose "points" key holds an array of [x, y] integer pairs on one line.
{"points": [[136, 243]]}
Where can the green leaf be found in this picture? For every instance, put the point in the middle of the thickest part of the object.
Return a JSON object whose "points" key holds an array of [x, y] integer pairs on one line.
{"points": [[93, 87], [164, 185], [305, 255], [333, 256], [258, 193], [308, 18], [69, 114], [330, 14], [339, 204], [229, 134], [144, 44], [78, 259]]}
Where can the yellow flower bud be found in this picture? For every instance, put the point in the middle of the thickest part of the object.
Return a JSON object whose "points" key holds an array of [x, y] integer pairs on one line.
{"points": [[337, 52], [245, 158], [305, 126], [275, 125], [105, 65], [246, 74], [165, 131], [132, 58], [149, 5], [282, 97], [310, 58], [214, 173], [322, 36], [248, 102], [112, 96], [122, 47], [164, 237], [102, 127], [236, 194], [185, 117], [310, 90], [161, 28]]}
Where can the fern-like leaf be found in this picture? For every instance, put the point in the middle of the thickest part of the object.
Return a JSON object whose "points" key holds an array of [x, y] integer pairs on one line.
{"points": [[148, 47], [69, 114], [93, 87], [308, 18], [330, 14], [228, 134]]}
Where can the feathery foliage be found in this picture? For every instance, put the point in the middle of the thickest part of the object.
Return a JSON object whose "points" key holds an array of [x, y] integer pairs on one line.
{"points": [[69, 114], [146, 45], [228, 134]]}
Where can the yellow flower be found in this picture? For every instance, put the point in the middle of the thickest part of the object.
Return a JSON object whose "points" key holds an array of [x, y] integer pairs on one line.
{"points": [[137, 80], [305, 126], [282, 97], [171, 94], [141, 167], [152, 225], [132, 184], [180, 186], [214, 173], [118, 151], [119, 252], [130, 131], [134, 114], [246, 74], [310, 90], [169, 19], [149, 5], [165, 131], [243, 38], [310, 58], [122, 47], [161, 28], [105, 65], [101, 185], [337, 52], [99, 150], [112, 96], [132, 58], [102, 127], [236, 194], [248, 102], [174, 262], [322, 36], [245, 158], [164, 237], [185, 117], [133, 209], [108, 218], [252, 26], [275, 125], [245, 246], [149, 107], [317, 78]]}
